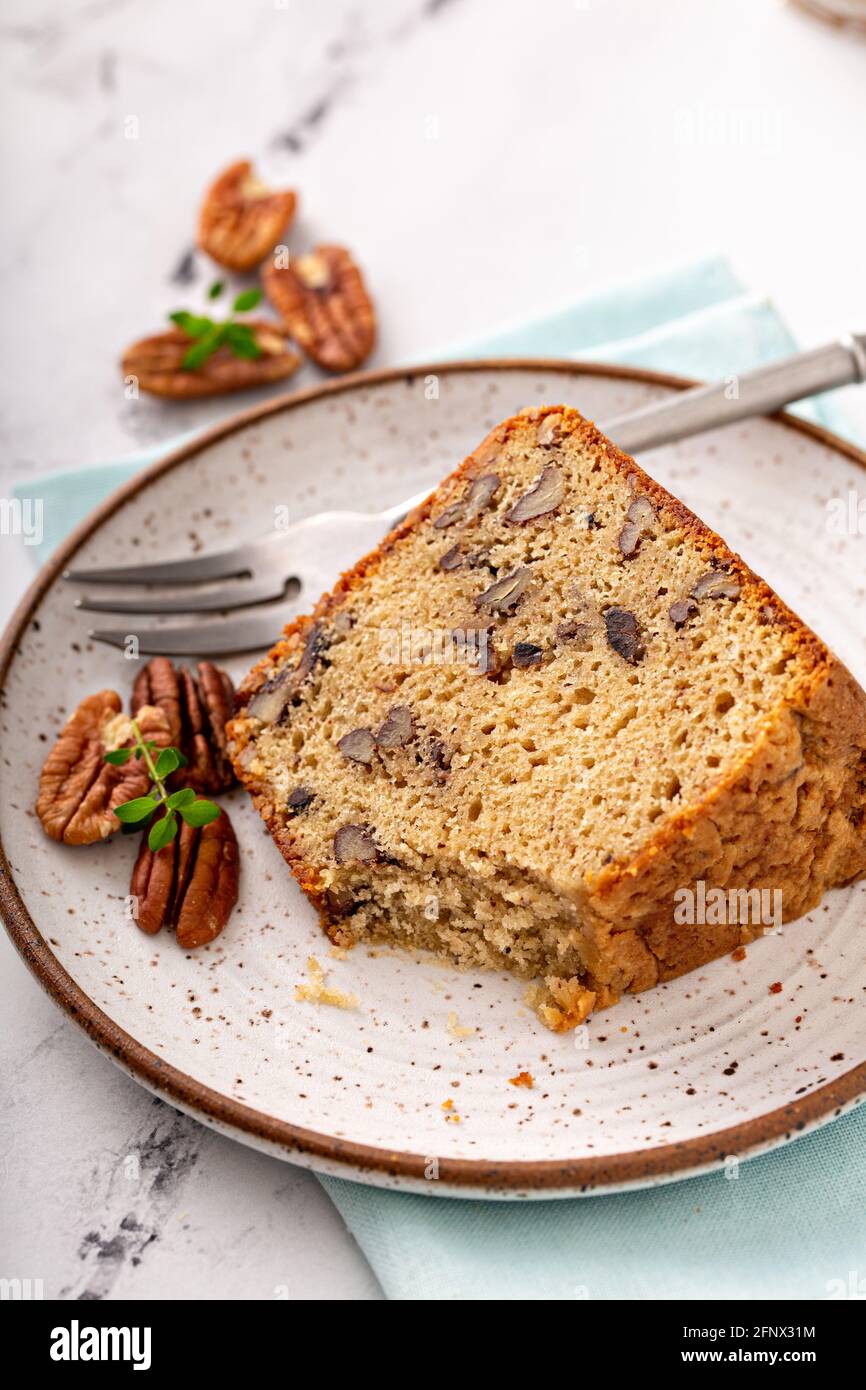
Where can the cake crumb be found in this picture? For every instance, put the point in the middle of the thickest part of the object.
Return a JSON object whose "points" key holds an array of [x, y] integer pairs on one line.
{"points": [[564, 1005], [315, 991], [739, 954], [776, 988], [455, 1030], [523, 1078]]}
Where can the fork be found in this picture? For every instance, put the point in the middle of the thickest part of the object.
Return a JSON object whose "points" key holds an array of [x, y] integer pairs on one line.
{"points": [[277, 573]]}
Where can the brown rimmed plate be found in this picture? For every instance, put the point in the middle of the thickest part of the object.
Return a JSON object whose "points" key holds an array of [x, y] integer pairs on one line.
{"points": [[647, 1091]]}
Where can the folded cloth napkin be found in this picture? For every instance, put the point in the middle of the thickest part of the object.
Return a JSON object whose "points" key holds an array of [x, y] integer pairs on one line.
{"points": [[790, 1224]]}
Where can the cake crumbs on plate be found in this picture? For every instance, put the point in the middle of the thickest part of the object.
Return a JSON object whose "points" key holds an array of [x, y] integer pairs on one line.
{"points": [[315, 991], [523, 1078], [456, 1031], [450, 1113]]}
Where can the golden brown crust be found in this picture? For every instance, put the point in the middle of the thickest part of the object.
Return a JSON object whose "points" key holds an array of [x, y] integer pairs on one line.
{"points": [[790, 819]]}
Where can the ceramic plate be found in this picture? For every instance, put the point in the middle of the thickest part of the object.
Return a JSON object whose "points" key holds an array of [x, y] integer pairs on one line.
{"points": [[412, 1087]]}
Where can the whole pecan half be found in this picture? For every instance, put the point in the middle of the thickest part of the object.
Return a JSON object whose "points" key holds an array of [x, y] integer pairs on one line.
{"points": [[324, 305], [197, 709], [241, 219], [78, 790], [191, 884], [156, 363]]}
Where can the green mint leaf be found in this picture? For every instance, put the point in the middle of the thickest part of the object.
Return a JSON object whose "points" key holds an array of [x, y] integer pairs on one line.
{"points": [[241, 340], [140, 808], [246, 300], [194, 325], [204, 348], [168, 760], [162, 832], [184, 797], [182, 760], [200, 812], [119, 756], [216, 289]]}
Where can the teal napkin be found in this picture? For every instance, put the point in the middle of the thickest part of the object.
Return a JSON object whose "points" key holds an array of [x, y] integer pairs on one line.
{"points": [[791, 1224]]}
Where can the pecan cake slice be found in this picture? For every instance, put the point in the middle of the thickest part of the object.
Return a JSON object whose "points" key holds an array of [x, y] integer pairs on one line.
{"points": [[550, 704]]}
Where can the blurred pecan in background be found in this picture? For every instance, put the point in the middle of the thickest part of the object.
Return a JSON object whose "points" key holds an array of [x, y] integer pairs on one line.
{"points": [[197, 708], [157, 364], [241, 219], [323, 303], [191, 884], [78, 791]]}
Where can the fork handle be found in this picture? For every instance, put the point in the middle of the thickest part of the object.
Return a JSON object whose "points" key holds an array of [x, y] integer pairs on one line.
{"points": [[758, 392]]}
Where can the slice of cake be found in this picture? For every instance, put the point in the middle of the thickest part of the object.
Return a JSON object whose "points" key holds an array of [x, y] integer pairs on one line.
{"points": [[554, 724]]}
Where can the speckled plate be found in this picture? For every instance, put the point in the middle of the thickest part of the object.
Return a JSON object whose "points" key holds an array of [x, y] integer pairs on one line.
{"points": [[412, 1087]]}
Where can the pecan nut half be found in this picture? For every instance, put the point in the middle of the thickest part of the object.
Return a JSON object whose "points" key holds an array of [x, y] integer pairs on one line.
{"points": [[156, 363], [197, 708], [241, 219], [157, 684], [324, 305], [78, 790], [191, 884]]}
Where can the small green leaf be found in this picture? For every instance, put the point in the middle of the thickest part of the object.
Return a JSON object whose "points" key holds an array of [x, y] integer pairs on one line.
{"points": [[119, 756], [246, 300], [194, 325], [139, 808], [139, 753], [182, 759], [241, 340], [184, 797], [200, 812], [204, 348], [168, 760], [216, 289], [162, 832]]}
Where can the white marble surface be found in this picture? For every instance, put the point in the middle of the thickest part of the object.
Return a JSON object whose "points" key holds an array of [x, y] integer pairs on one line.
{"points": [[486, 159]]}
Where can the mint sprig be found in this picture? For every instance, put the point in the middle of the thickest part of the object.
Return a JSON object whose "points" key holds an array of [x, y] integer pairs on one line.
{"points": [[209, 334], [142, 811]]}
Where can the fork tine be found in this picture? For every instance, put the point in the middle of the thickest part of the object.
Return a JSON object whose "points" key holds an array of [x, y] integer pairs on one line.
{"points": [[242, 634], [223, 564], [227, 596]]}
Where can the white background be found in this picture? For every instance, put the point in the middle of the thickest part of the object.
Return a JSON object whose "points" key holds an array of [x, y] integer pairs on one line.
{"points": [[486, 160]]}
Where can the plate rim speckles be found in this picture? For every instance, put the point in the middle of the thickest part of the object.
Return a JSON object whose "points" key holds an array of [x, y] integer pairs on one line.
{"points": [[343, 1156]]}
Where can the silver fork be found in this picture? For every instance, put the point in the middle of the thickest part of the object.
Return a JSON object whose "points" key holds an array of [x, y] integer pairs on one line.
{"points": [[297, 564]]}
